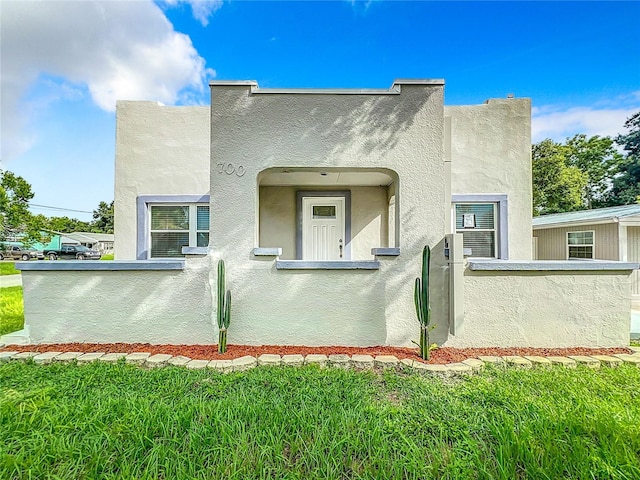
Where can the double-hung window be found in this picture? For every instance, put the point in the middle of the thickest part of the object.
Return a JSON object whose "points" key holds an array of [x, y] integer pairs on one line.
{"points": [[580, 244], [173, 226], [477, 222]]}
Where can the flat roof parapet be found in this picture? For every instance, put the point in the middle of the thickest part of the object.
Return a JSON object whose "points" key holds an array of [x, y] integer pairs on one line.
{"points": [[393, 90]]}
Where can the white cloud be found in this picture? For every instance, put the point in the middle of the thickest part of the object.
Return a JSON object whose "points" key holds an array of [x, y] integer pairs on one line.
{"points": [[200, 9], [604, 118], [113, 49]]}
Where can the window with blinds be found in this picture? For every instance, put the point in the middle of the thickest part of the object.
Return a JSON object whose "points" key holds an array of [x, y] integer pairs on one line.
{"points": [[477, 224], [580, 244], [202, 225], [175, 226]]}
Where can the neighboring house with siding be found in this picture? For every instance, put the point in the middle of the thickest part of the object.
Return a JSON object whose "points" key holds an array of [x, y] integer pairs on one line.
{"points": [[102, 242], [611, 233], [320, 203]]}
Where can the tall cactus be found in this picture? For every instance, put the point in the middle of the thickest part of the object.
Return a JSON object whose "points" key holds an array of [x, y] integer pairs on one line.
{"points": [[421, 298], [224, 309]]}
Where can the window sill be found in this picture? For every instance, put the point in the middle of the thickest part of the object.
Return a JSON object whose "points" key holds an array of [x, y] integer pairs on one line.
{"points": [[385, 252], [327, 265], [267, 252], [195, 250]]}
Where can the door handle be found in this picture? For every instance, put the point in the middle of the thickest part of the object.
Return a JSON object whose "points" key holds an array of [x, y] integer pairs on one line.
{"points": [[340, 247]]}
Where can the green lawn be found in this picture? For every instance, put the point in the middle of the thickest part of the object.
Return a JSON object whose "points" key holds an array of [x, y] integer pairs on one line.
{"points": [[122, 422], [11, 310], [8, 268]]}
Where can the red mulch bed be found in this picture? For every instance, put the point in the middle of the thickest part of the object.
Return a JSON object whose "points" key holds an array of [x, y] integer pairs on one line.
{"points": [[210, 352]]}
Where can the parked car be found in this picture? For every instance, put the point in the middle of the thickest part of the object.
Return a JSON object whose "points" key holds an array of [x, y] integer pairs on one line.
{"points": [[73, 252], [20, 253]]}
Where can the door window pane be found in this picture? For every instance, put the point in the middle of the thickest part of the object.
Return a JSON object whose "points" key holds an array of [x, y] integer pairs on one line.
{"points": [[324, 211]]}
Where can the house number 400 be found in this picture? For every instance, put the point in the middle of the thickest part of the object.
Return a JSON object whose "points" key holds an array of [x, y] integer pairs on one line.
{"points": [[230, 169]]}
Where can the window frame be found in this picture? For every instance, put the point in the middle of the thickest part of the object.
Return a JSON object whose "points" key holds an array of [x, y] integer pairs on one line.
{"points": [[501, 221], [144, 204], [592, 244]]}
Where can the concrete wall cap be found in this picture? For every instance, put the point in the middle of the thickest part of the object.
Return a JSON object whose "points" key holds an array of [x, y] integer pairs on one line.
{"points": [[97, 265], [550, 265]]}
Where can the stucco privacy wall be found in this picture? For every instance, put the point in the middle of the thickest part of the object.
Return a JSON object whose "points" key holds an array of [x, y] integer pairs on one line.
{"points": [[369, 220], [491, 154], [159, 150], [157, 306], [545, 309], [400, 129]]}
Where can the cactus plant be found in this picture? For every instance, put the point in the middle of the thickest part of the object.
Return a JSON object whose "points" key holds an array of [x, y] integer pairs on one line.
{"points": [[421, 298], [224, 309]]}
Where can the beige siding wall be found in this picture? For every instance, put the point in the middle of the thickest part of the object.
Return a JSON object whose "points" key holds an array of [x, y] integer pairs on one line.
{"points": [[633, 252], [552, 242]]}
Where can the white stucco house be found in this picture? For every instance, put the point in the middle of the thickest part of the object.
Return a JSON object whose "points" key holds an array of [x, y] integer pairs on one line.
{"points": [[320, 202]]}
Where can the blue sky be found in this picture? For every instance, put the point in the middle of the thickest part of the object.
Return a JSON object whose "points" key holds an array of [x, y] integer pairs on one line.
{"points": [[65, 63]]}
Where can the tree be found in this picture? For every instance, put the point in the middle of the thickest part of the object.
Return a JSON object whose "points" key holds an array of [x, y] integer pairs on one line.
{"points": [[598, 158], [626, 185], [67, 225], [557, 186], [103, 218], [16, 221]]}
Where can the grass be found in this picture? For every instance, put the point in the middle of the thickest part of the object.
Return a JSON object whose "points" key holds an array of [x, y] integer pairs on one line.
{"points": [[118, 421], [8, 268], [108, 256], [11, 310]]}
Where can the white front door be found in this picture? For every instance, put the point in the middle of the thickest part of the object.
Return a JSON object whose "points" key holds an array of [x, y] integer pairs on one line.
{"points": [[323, 228]]}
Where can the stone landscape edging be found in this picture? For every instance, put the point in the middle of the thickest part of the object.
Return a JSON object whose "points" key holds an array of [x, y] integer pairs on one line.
{"points": [[357, 362]]}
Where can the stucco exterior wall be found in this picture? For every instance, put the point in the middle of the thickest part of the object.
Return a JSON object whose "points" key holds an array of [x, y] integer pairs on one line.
{"points": [[491, 154], [157, 307], [579, 309], [398, 131], [159, 150], [369, 219], [552, 242]]}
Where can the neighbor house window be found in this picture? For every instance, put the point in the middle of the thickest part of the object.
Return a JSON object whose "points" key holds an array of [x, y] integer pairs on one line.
{"points": [[580, 244], [174, 226], [477, 222]]}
